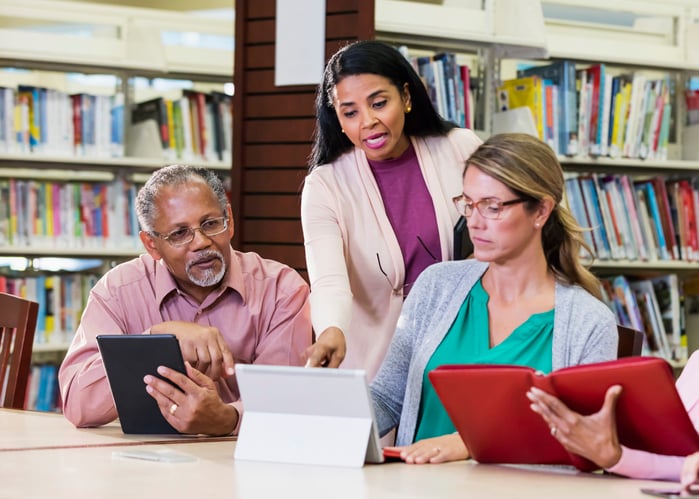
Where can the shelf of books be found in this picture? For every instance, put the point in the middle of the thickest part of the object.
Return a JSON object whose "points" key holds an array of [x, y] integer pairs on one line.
{"points": [[61, 297], [614, 103], [620, 121], [93, 98], [49, 128], [617, 137]]}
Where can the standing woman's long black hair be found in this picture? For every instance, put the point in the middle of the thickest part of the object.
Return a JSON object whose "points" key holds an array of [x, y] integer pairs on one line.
{"points": [[369, 57]]}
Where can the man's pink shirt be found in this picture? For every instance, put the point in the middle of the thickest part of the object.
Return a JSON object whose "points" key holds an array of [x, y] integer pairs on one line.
{"points": [[262, 312]]}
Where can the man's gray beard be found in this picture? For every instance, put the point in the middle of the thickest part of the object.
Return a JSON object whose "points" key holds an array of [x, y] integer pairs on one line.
{"points": [[209, 278]]}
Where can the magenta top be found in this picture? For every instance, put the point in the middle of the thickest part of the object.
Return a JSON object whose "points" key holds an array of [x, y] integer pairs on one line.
{"points": [[410, 210]]}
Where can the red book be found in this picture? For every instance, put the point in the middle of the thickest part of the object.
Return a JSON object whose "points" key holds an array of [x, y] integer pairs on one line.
{"points": [[595, 77], [77, 123], [490, 409], [690, 217], [466, 80], [666, 219]]}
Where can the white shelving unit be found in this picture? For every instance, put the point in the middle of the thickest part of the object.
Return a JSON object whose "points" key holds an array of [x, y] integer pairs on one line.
{"points": [[627, 33], [84, 36], [633, 35], [490, 30], [49, 37]]}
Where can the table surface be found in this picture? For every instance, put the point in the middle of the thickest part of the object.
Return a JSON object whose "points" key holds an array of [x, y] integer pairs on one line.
{"points": [[23, 430], [48, 458]]}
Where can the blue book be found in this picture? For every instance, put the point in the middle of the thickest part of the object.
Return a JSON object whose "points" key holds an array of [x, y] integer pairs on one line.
{"points": [[426, 71], [43, 387], [654, 212], [48, 388], [51, 387], [625, 295], [43, 120], [561, 74], [616, 87], [450, 83], [41, 315], [594, 213], [34, 101], [117, 128], [577, 206]]}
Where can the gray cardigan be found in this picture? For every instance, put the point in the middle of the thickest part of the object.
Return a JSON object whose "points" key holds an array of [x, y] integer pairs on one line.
{"points": [[584, 331]]}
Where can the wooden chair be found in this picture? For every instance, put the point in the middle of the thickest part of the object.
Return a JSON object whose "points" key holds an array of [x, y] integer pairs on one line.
{"points": [[17, 326], [630, 342]]}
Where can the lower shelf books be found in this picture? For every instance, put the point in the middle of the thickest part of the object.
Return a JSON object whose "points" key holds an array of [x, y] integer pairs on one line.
{"points": [[42, 389], [653, 306], [489, 408]]}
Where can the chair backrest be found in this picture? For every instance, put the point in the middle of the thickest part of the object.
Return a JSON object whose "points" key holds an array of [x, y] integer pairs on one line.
{"points": [[630, 341], [17, 326]]}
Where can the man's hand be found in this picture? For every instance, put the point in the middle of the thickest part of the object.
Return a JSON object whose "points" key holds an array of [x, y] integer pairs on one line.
{"points": [[328, 350], [202, 346], [434, 450], [195, 407]]}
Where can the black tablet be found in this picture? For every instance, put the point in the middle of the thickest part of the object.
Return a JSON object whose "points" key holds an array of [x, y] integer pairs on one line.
{"points": [[127, 359]]}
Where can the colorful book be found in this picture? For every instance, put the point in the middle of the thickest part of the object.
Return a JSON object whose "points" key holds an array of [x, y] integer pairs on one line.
{"points": [[651, 199], [577, 207], [562, 75], [666, 218], [640, 239], [667, 292], [524, 92], [594, 215], [656, 336], [596, 78]]}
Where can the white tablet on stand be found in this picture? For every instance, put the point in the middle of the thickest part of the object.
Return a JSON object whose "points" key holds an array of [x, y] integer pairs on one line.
{"points": [[307, 416]]}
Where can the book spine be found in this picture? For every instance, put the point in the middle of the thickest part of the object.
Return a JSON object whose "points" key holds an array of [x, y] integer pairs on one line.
{"points": [[654, 211]]}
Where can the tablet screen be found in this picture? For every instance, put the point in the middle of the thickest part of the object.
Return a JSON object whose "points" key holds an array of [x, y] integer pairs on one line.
{"points": [[127, 359]]}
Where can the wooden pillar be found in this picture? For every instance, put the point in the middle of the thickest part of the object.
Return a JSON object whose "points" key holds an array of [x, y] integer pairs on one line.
{"points": [[273, 128]]}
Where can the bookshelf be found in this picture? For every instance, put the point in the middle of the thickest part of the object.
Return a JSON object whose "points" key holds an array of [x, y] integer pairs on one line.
{"points": [[125, 55], [657, 38]]}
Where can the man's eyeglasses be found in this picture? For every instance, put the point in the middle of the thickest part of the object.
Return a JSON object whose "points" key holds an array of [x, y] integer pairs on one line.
{"points": [[185, 235], [490, 208]]}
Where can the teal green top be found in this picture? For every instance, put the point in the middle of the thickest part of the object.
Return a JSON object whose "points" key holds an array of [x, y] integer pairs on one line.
{"points": [[468, 342]]}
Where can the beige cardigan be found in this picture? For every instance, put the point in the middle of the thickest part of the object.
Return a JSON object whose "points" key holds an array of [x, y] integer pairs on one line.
{"points": [[345, 226]]}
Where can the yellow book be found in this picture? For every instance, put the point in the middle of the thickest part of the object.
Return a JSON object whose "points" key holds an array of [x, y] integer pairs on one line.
{"points": [[170, 125], [524, 92], [35, 208], [31, 96], [53, 305], [621, 108]]}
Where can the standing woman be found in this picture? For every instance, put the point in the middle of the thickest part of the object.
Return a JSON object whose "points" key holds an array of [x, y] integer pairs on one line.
{"points": [[376, 206]]}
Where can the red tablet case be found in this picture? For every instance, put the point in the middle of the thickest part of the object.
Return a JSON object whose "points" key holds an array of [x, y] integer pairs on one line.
{"points": [[489, 408]]}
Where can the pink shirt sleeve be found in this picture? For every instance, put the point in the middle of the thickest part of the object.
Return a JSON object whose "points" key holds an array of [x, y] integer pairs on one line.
{"points": [[87, 399], [638, 464]]}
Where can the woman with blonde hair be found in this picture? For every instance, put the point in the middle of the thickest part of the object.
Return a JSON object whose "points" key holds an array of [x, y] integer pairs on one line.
{"points": [[523, 299]]}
